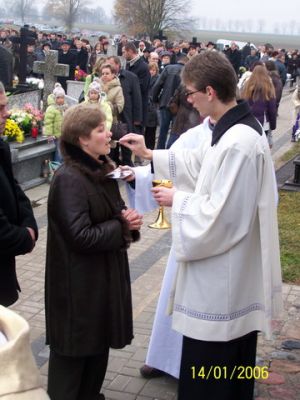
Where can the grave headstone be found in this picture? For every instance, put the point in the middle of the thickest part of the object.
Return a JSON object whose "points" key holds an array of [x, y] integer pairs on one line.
{"points": [[74, 88], [51, 69], [19, 100]]}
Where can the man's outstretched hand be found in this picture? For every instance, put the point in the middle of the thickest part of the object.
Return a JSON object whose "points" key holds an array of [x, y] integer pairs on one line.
{"points": [[136, 143]]}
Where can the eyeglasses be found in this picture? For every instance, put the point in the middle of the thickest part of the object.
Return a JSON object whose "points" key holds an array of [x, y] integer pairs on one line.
{"points": [[187, 94]]}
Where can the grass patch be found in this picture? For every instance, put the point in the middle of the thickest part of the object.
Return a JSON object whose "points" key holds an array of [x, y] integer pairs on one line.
{"points": [[289, 234], [291, 153]]}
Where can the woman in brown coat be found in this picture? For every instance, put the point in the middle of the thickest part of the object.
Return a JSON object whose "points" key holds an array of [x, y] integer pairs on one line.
{"points": [[88, 294]]}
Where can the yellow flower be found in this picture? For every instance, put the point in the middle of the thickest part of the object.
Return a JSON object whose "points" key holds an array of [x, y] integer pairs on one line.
{"points": [[13, 132]]}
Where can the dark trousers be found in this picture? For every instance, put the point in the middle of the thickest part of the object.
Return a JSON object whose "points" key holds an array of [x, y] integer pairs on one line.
{"points": [[150, 133], [76, 378], [215, 370], [165, 119]]}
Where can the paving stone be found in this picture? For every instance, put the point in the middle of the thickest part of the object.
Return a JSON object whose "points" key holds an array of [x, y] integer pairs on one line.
{"points": [[293, 331], [140, 355], [283, 393], [291, 344], [116, 364], [114, 395], [134, 372], [284, 366], [273, 379], [127, 384], [284, 355]]}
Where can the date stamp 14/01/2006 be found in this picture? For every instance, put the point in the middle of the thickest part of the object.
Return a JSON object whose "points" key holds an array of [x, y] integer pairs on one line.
{"points": [[223, 372]]}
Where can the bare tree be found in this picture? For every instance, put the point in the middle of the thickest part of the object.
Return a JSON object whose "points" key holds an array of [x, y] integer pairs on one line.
{"points": [[293, 25], [260, 25], [249, 25], [92, 15], [65, 10], [22, 8], [151, 16]]}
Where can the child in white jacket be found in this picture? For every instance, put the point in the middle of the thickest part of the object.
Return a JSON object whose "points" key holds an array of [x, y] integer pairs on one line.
{"points": [[96, 96]]}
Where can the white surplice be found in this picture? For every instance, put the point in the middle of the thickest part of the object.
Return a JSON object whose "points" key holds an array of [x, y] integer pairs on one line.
{"points": [[164, 351], [225, 237]]}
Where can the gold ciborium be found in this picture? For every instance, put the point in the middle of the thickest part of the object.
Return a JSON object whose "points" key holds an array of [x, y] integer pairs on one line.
{"points": [[161, 221]]}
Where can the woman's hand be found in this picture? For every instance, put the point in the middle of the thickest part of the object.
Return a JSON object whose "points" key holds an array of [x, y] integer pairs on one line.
{"points": [[134, 219], [136, 143], [163, 196], [130, 177]]}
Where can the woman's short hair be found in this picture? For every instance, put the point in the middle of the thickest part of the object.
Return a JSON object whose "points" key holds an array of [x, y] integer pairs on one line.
{"points": [[98, 64], [210, 68], [79, 121], [153, 65], [109, 66]]}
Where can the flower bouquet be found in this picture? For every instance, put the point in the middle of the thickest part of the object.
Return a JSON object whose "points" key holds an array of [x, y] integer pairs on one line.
{"points": [[37, 115], [35, 83], [12, 132], [27, 118], [23, 119], [80, 75]]}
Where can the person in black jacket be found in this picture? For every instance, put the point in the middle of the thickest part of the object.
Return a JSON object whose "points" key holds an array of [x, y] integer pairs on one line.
{"points": [[163, 90], [67, 56], [139, 67], [132, 113], [6, 66], [82, 56], [234, 56], [87, 289], [18, 229]]}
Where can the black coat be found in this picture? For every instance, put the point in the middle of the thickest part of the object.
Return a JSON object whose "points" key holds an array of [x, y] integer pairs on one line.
{"points": [[141, 70], [234, 56], [165, 86], [82, 59], [6, 66], [69, 58], [15, 215], [152, 119], [132, 111], [88, 292]]}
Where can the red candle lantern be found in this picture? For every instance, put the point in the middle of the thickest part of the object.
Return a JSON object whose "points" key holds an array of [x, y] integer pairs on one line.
{"points": [[34, 132]]}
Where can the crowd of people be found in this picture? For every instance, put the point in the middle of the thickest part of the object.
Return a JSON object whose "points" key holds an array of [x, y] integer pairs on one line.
{"points": [[223, 278], [155, 99]]}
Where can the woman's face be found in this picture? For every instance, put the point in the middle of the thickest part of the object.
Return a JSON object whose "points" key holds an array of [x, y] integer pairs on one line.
{"points": [[107, 75], [152, 71], [98, 143]]}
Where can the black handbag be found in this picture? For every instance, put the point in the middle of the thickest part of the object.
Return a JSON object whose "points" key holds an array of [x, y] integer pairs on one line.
{"points": [[118, 130]]}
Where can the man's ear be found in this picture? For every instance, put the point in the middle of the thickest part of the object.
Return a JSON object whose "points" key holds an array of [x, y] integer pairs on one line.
{"points": [[210, 91]]}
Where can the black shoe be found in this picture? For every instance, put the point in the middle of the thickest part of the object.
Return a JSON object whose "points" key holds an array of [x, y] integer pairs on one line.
{"points": [[149, 372]]}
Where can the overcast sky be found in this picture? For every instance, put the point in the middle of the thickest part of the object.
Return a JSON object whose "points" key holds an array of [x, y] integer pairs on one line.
{"points": [[271, 11]]}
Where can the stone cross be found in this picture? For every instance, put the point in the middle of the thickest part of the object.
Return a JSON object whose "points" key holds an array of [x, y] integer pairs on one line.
{"points": [[50, 69]]}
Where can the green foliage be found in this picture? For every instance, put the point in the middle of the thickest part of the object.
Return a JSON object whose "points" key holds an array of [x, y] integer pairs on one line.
{"points": [[289, 233]]}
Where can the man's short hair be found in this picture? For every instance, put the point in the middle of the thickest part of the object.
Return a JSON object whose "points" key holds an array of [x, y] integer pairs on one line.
{"points": [[116, 59], [211, 68], [130, 46]]}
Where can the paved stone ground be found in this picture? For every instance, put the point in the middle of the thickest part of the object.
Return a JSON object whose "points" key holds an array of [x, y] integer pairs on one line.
{"points": [[147, 260]]}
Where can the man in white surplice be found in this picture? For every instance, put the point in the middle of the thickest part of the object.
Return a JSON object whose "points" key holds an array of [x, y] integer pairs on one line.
{"points": [[164, 351], [225, 236]]}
